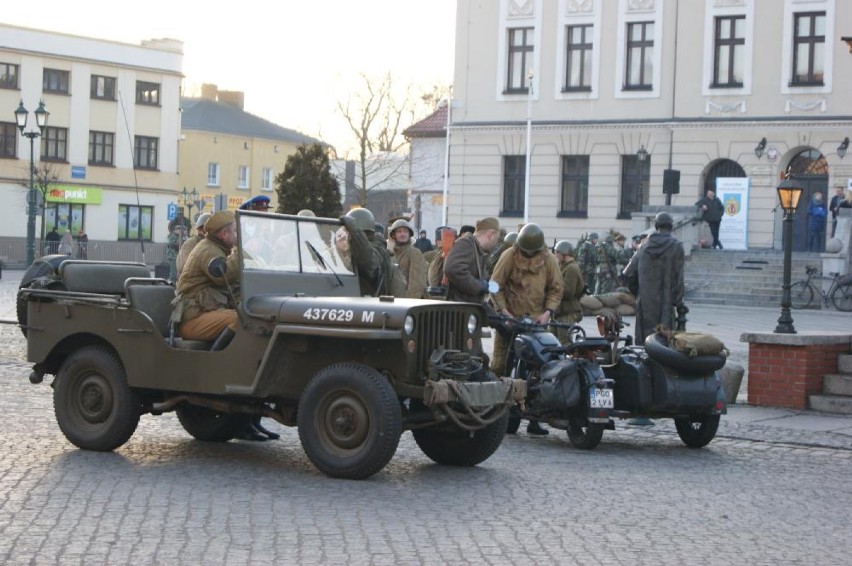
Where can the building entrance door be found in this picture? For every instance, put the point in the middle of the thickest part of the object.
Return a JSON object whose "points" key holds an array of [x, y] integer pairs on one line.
{"points": [[810, 171]]}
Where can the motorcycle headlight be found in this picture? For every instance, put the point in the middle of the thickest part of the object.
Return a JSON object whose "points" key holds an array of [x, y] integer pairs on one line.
{"points": [[472, 323], [408, 326]]}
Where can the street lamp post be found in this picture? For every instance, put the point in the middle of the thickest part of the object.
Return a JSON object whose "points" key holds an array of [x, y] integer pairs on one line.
{"points": [[530, 77], [788, 193], [21, 115], [191, 200], [642, 157]]}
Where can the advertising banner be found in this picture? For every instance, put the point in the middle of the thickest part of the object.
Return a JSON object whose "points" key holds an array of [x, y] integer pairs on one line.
{"points": [[733, 192]]}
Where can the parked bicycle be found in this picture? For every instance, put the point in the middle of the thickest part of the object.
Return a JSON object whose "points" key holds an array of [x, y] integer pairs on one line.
{"points": [[802, 293]]}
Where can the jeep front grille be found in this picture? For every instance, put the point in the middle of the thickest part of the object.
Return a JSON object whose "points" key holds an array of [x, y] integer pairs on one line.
{"points": [[435, 329]]}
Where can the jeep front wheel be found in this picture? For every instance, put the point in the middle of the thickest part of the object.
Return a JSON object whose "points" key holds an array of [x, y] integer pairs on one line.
{"points": [[94, 406], [210, 426], [349, 421]]}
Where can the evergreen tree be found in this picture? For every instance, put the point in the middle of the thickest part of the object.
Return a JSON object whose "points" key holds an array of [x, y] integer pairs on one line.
{"points": [[307, 182]]}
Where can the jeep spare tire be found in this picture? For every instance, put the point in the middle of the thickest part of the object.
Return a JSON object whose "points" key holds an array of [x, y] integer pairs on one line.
{"points": [[43, 267], [349, 420]]}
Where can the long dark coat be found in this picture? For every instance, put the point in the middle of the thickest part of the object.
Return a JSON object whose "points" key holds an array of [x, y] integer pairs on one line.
{"points": [[464, 267], [658, 263]]}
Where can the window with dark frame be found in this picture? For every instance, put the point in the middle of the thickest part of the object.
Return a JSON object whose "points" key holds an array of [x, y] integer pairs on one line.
{"points": [[145, 152], [8, 75], [729, 52], [103, 88], [8, 140], [101, 148], [635, 177], [135, 222], [575, 186], [640, 56], [55, 81], [147, 93], [520, 59], [54, 144], [65, 216], [808, 49], [514, 173], [578, 66]]}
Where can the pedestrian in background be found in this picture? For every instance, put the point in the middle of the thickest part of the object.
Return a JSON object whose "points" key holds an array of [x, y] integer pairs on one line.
{"points": [[817, 215], [66, 244], [52, 241], [834, 207], [712, 210], [423, 243], [82, 244]]}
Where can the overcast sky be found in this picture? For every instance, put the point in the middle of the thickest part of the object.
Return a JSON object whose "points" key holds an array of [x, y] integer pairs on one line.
{"points": [[293, 60]]}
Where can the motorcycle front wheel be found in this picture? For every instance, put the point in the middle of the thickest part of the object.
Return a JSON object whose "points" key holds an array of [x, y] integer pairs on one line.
{"points": [[697, 432], [583, 434]]}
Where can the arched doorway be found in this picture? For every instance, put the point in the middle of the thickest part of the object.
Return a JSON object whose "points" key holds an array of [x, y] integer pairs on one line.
{"points": [[721, 168], [809, 170]]}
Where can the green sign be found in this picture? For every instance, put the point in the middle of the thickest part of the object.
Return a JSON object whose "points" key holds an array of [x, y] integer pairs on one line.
{"points": [[70, 193]]}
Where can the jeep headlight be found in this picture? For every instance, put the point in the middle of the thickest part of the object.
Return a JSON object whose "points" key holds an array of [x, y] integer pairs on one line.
{"points": [[472, 324], [408, 326]]}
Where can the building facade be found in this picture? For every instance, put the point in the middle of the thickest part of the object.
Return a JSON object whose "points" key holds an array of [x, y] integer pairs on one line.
{"points": [[612, 98], [110, 146]]}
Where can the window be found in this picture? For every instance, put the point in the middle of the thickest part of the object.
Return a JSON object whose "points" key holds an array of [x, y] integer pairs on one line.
{"points": [[8, 75], [520, 59], [635, 176], [147, 93], [729, 51], [145, 152], [808, 49], [575, 186], [266, 179], [243, 177], [578, 71], [212, 174], [640, 56], [101, 147], [103, 87], [722, 168], [54, 80], [54, 144], [134, 222], [514, 171], [8, 139], [65, 216]]}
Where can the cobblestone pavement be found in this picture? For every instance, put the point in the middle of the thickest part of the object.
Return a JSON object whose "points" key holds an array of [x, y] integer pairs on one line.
{"points": [[758, 494]]}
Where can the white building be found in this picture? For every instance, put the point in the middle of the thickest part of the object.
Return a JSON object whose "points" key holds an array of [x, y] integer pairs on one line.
{"points": [[719, 88]]}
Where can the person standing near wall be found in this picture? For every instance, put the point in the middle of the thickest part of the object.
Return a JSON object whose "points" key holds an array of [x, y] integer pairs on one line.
{"points": [[712, 210]]}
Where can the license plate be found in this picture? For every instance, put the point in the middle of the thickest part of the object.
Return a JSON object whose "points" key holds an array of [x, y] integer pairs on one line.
{"points": [[601, 398]]}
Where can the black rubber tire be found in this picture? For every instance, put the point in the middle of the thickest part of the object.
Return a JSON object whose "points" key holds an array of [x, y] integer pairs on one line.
{"points": [[43, 266], [801, 295], [209, 425], [841, 297], [657, 348], [583, 434], [349, 420], [697, 432], [459, 447], [94, 406]]}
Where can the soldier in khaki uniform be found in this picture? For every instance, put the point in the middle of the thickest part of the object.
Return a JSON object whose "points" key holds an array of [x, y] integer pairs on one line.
{"points": [[530, 284], [573, 286], [190, 243], [409, 259]]}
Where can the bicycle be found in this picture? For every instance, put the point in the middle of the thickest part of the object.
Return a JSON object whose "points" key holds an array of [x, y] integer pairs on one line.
{"points": [[840, 291]]}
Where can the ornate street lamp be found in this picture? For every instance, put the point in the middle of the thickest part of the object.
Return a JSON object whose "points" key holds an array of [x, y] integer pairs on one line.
{"points": [[642, 158], [788, 193], [21, 115]]}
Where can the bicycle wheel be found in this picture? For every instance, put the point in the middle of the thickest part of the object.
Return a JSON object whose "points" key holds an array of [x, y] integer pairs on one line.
{"points": [[842, 297], [801, 295]]}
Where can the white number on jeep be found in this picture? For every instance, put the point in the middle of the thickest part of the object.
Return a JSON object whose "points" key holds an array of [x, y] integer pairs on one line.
{"points": [[344, 315]]}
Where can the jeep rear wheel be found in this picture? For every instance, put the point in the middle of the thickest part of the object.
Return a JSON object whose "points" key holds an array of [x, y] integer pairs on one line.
{"points": [[209, 425], [460, 447], [94, 406], [349, 421]]}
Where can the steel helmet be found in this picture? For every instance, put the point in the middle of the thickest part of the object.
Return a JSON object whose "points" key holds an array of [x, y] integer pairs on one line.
{"points": [[511, 238], [202, 218], [364, 219], [402, 223], [531, 238], [663, 219], [564, 247]]}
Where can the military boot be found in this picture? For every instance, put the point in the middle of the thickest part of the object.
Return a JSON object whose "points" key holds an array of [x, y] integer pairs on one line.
{"points": [[535, 428]]}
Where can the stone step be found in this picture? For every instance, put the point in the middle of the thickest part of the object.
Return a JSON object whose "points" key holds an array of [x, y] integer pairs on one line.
{"points": [[831, 404], [844, 363], [837, 384]]}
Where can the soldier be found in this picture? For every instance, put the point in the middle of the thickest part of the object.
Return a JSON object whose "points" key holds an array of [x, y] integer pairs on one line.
{"points": [[658, 264], [587, 258], [409, 259], [607, 261], [530, 285], [376, 273], [573, 286], [464, 266], [508, 241], [190, 243]]}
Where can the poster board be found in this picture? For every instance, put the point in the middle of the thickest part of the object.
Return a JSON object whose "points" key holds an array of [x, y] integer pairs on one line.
{"points": [[734, 192]]}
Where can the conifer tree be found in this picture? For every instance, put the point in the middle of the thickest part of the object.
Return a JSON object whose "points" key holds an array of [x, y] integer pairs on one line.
{"points": [[307, 182]]}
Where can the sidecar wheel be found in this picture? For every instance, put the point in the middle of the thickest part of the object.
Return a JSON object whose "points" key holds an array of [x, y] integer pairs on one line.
{"points": [[697, 432], [583, 434]]}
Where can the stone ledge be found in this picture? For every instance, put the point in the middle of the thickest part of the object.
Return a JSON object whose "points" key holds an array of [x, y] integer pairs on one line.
{"points": [[800, 339]]}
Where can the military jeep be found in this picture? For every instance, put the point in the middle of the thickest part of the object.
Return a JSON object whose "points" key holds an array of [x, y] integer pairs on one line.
{"points": [[351, 372]]}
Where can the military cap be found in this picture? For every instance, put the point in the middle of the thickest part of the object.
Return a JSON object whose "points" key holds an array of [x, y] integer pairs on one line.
{"points": [[255, 201], [202, 219], [488, 223], [219, 220]]}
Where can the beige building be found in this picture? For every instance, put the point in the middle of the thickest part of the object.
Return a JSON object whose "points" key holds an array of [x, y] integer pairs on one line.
{"points": [[228, 153], [111, 105], [616, 92]]}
